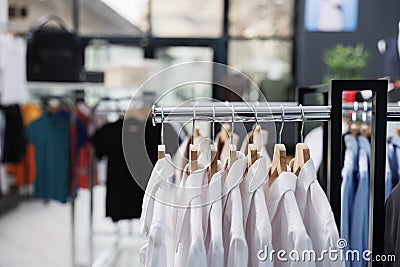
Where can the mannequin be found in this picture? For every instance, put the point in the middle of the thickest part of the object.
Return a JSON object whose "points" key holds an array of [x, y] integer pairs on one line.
{"points": [[390, 49]]}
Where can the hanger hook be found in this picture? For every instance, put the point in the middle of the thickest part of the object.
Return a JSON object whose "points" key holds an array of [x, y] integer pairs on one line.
{"points": [[282, 125], [213, 125], [194, 121], [302, 124], [233, 124], [256, 119], [162, 125]]}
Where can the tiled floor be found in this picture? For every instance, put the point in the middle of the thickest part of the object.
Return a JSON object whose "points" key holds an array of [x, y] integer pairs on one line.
{"points": [[38, 234]]}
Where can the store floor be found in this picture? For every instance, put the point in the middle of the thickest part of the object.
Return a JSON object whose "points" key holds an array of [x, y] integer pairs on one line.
{"points": [[38, 234]]}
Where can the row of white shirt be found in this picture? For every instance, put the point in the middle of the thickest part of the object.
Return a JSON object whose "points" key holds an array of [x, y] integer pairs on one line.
{"points": [[236, 219]]}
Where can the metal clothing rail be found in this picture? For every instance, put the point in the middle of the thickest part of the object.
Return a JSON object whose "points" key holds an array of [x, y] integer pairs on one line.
{"points": [[241, 113]]}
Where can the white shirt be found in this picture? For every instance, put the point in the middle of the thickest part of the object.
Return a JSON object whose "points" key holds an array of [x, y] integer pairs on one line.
{"points": [[189, 239], [288, 230], [156, 219], [314, 141], [236, 251], [255, 213], [316, 213], [212, 219]]}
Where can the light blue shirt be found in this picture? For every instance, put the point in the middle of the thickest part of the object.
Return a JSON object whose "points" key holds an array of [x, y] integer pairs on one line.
{"points": [[359, 216], [348, 186]]}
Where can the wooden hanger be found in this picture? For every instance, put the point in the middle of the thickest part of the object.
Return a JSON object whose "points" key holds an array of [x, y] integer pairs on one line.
{"points": [[161, 151], [365, 130], [232, 157], [302, 155], [252, 151], [214, 162], [278, 162], [279, 157], [354, 129], [252, 154], [193, 156], [397, 131]]}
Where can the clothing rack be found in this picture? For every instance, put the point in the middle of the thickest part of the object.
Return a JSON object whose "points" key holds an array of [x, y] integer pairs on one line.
{"points": [[113, 247], [69, 101], [332, 114]]}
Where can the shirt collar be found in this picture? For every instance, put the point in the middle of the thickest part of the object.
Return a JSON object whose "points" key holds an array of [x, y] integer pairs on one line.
{"points": [[285, 182], [257, 174], [235, 173], [307, 174]]}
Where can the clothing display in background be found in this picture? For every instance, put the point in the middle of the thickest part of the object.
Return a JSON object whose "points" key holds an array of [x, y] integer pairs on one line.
{"points": [[50, 136], [392, 228], [14, 140], [24, 170], [83, 115], [124, 194], [13, 86]]}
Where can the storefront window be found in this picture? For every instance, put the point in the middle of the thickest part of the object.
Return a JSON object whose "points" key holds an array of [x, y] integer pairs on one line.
{"points": [[261, 18], [182, 18], [267, 63]]}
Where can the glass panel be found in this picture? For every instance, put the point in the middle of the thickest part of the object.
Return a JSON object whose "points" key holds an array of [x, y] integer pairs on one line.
{"points": [[199, 92], [182, 18], [268, 64], [113, 17], [24, 14], [261, 18], [176, 55]]}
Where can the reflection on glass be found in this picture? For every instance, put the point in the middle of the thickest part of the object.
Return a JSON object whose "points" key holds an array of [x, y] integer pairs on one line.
{"points": [[268, 64], [182, 18], [24, 14], [113, 17], [261, 18]]}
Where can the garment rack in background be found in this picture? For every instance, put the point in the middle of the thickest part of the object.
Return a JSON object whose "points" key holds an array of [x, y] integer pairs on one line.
{"points": [[113, 247], [69, 101], [332, 114]]}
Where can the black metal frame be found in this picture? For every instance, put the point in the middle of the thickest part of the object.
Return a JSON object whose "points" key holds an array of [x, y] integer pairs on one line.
{"points": [[378, 154]]}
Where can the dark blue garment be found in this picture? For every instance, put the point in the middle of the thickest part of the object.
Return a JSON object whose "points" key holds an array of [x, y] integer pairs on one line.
{"points": [[348, 186], [50, 135], [391, 61], [359, 216]]}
